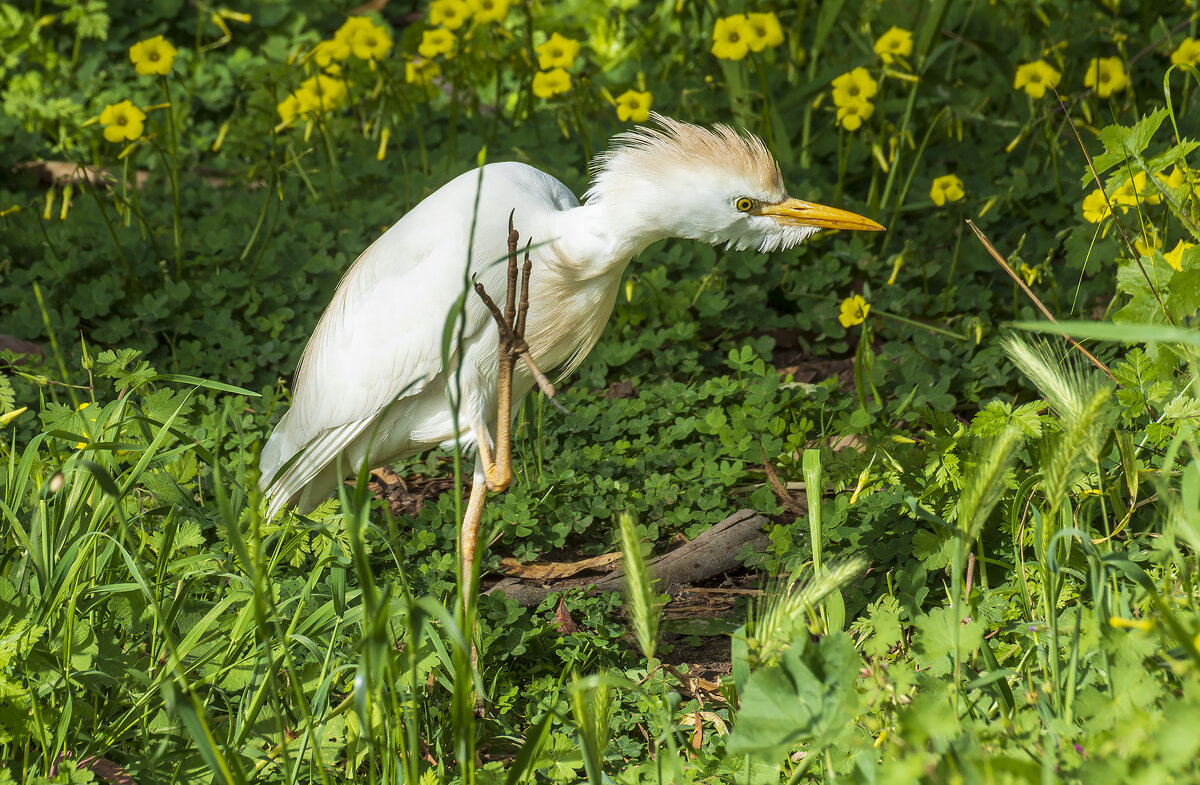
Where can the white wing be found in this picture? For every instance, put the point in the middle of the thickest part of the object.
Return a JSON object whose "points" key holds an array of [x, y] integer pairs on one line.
{"points": [[380, 339]]}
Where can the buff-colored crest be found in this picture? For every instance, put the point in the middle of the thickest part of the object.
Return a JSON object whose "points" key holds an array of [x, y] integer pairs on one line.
{"points": [[647, 152]]}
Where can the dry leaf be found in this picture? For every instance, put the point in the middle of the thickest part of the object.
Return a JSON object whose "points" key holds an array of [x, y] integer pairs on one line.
{"points": [[553, 571], [563, 620]]}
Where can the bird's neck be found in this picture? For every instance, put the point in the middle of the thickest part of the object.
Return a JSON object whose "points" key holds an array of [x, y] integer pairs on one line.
{"points": [[600, 239]]}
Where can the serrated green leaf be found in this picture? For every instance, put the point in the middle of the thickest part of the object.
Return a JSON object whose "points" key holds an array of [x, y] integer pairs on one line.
{"points": [[1123, 143]]}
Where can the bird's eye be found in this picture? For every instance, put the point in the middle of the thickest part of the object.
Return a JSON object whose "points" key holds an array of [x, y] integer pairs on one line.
{"points": [[744, 204]]}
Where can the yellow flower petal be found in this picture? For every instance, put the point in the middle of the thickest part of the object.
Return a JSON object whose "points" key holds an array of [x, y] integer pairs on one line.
{"points": [[1188, 53], [895, 43], [731, 37], [1035, 78], [947, 188], [421, 72], [451, 14], [1106, 75], [633, 106], [153, 56], [437, 42], [328, 51], [551, 83], [490, 10], [122, 122], [854, 87], [852, 114], [1095, 208], [558, 52], [767, 31], [1175, 256], [854, 311]]}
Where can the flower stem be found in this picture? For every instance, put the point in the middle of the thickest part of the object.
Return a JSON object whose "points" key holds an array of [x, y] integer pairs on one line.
{"points": [[173, 173], [922, 325]]}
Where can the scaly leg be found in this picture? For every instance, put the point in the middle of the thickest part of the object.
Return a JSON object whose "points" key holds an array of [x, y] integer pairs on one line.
{"points": [[497, 470], [511, 345], [470, 534], [497, 467]]}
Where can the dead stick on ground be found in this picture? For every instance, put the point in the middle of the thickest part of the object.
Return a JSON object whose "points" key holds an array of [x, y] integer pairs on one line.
{"points": [[713, 552], [1029, 293], [773, 478]]}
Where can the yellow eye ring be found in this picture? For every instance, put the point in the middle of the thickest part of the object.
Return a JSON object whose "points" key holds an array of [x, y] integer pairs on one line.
{"points": [[744, 204]]}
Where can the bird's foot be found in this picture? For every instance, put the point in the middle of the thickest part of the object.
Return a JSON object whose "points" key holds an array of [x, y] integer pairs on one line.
{"points": [[511, 321], [496, 475], [496, 478]]}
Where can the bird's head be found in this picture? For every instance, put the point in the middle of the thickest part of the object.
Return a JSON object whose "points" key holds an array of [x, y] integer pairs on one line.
{"points": [[716, 186]]}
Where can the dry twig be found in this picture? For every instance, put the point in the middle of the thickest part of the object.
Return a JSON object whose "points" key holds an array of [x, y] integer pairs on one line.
{"points": [[1033, 297]]}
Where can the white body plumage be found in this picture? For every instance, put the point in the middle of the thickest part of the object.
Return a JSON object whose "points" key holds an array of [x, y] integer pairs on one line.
{"points": [[371, 382]]}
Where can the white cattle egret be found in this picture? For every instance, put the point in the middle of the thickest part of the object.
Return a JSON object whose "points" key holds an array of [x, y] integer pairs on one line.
{"points": [[371, 384]]}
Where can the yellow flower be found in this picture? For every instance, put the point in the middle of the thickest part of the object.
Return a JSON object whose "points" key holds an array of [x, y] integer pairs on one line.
{"points": [[1142, 625], [854, 87], [5, 419], [1175, 257], [451, 14], [1136, 190], [854, 311], [329, 92], [122, 122], [1095, 208], [1145, 242], [731, 37], [765, 29], [896, 42], [1106, 75], [420, 71], [633, 106], [437, 42], [1177, 178], [947, 188], [490, 10], [1188, 52], [852, 115], [1031, 274], [371, 44], [333, 49], [307, 101], [558, 52], [367, 40], [288, 108], [548, 83], [153, 56], [1034, 78], [351, 28]]}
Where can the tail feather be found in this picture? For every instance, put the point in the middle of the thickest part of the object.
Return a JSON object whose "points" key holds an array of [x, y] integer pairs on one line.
{"points": [[285, 478]]}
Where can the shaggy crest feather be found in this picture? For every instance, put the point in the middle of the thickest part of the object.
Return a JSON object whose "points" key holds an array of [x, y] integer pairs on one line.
{"points": [[646, 152]]}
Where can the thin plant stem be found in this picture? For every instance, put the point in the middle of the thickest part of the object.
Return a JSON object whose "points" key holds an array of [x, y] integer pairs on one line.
{"points": [[173, 174]]}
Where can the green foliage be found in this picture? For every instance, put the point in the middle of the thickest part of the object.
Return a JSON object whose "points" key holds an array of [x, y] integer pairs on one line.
{"points": [[996, 578]]}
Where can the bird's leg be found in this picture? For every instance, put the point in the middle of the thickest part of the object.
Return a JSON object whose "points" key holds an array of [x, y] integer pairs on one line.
{"points": [[511, 324], [469, 536], [498, 471], [497, 467]]}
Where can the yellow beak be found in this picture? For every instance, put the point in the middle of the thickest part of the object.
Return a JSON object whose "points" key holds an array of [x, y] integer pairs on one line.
{"points": [[795, 212]]}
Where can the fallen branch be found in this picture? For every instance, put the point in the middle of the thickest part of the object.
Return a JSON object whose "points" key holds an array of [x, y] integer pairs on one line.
{"points": [[714, 552]]}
